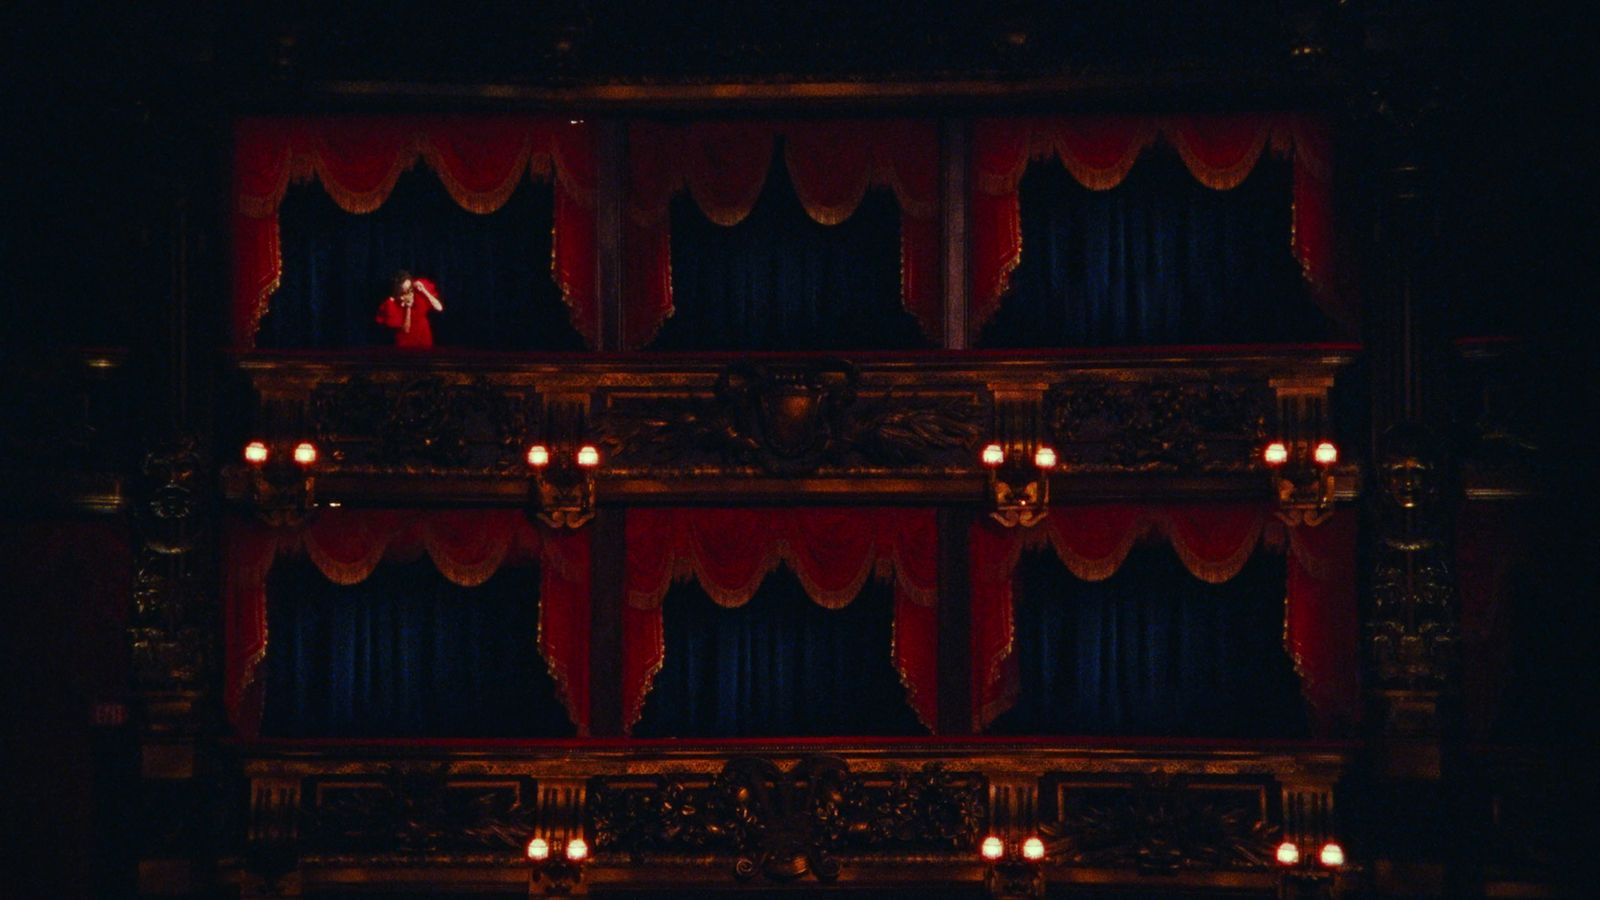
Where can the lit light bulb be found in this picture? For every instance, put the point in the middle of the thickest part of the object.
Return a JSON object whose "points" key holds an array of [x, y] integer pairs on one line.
{"points": [[1288, 854], [1326, 454], [305, 453], [577, 850], [255, 453], [1276, 454], [1332, 855], [588, 456], [538, 456], [1044, 458], [1033, 849], [993, 848], [993, 455], [538, 850]]}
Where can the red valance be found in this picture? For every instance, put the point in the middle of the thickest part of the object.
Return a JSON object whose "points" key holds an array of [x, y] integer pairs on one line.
{"points": [[480, 161], [1214, 541], [832, 550], [467, 547], [723, 166], [1099, 151]]}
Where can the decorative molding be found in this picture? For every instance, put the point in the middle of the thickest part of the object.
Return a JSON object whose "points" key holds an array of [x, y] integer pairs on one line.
{"points": [[170, 632], [427, 423], [1183, 427], [1160, 824], [784, 824]]}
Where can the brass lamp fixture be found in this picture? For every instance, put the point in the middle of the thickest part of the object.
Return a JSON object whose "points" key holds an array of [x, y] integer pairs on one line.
{"points": [[1301, 454], [554, 874], [280, 479], [1014, 870], [1018, 462], [564, 468], [1310, 870]]}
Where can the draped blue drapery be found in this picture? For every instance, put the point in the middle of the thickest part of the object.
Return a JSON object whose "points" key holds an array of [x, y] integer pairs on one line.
{"points": [[1159, 259], [778, 280], [1152, 650], [406, 653], [493, 270], [779, 665]]}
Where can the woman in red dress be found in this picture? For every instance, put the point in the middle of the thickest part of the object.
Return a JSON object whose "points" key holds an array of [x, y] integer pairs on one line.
{"points": [[409, 318]]}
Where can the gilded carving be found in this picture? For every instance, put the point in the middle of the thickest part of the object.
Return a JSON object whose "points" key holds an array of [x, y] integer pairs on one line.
{"points": [[1180, 427], [168, 633], [1161, 824], [782, 824], [424, 422]]}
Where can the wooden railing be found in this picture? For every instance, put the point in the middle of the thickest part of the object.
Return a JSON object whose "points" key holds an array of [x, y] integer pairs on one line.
{"points": [[664, 814]]}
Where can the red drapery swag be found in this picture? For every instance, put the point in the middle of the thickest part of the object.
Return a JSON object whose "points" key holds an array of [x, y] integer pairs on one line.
{"points": [[1099, 151], [480, 160], [832, 551], [1214, 542], [723, 166], [467, 546]]}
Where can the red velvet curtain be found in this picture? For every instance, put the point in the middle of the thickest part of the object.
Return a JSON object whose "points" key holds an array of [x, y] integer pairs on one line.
{"points": [[467, 547], [723, 166], [480, 161], [1214, 541], [1099, 151], [832, 550]]}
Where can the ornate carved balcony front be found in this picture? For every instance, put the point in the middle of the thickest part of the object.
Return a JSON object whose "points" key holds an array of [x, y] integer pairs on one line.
{"points": [[442, 428], [660, 815]]}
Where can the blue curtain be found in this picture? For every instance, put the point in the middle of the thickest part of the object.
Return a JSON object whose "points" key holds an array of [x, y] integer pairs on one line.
{"points": [[406, 653], [780, 281], [1159, 259], [493, 270], [1152, 650], [778, 666]]}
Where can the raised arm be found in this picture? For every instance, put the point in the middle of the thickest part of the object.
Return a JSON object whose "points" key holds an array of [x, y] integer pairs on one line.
{"points": [[423, 285]]}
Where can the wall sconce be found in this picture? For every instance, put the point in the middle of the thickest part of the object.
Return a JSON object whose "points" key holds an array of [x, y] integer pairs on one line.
{"points": [[1301, 454], [1016, 874], [560, 874], [1018, 460], [1306, 875], [280, 479], [564, 484], [564, 462], [1019, 482]]}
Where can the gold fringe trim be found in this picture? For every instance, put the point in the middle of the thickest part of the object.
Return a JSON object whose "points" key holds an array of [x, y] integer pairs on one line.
{"points": [[1093, 177], [887, 175], [1317, 568], [729, 216], [1224, 179], [976, 324], [480, 202], [637, 708], [466, 575], [551, 166], [998, 184], [264, 295], [821, 213], [1086, 569], [905, 681], [558, 674], [343, 573], [251, 670], [1213, 571], [661, 321], [260, 207], [363, 202]]}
